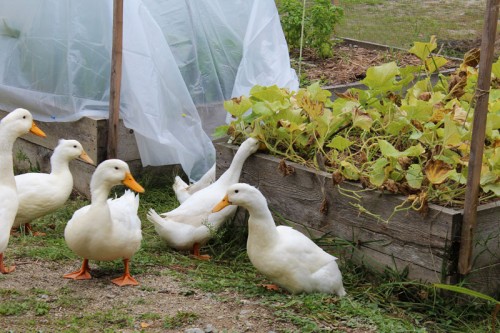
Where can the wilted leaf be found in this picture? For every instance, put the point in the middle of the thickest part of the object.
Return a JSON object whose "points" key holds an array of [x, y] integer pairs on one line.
{"points": [[285, 169], [472, 57], [340, 143], [414, 176], [349, 171], [437, 171]]}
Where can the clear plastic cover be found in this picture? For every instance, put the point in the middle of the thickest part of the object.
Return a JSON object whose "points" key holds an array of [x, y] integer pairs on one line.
{"points": [[181, 59]]}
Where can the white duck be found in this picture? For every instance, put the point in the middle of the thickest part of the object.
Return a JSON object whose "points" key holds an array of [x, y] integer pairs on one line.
{"points": [[283, 254], [191, 225], [41, 193], [107, 229], [15, 124], [183, 191]]}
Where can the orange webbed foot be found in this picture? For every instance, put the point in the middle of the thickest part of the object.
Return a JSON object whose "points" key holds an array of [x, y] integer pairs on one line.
{"points": [[4, 269], [271, 287], [126, 279], [196, 253], [82, 274]]}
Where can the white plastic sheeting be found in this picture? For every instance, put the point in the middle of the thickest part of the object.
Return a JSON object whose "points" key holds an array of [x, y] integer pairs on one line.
{"points": [[181, 59]]}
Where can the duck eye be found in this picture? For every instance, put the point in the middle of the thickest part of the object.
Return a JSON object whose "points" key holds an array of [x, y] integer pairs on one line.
{"points": [[116, 168], [74, 146], [236, 191], [24, 117]]}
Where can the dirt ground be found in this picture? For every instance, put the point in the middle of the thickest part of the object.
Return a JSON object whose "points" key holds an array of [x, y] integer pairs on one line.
{"points": [[159, 293], [350, 61]]}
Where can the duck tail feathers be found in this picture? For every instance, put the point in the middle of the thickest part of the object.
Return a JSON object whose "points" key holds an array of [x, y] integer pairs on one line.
{"points": [[154, 218]]}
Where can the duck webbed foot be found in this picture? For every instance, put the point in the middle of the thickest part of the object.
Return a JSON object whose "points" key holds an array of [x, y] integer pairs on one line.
{"points": [[126, 279], [82, 274]]}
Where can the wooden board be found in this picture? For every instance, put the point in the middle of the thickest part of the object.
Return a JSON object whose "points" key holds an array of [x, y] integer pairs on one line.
{"points": [[91, 133], [428, 245]]}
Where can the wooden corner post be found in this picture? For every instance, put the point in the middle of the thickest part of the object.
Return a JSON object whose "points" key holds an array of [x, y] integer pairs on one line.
{"points": [[478, 136], [116, 77]]}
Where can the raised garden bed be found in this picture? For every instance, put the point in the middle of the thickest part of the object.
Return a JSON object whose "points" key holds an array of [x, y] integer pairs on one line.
{"points": [[425, 245]]}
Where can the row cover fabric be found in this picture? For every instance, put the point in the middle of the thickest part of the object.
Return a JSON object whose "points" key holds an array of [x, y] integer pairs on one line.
{"points": [[181, 59]]}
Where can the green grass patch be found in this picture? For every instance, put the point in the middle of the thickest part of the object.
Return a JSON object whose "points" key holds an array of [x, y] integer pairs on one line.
{"points": [[400, 23], [181, 318]]}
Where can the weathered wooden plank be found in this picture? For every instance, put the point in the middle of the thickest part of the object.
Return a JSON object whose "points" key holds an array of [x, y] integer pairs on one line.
{"points": [[301, 194], [428, 245]]}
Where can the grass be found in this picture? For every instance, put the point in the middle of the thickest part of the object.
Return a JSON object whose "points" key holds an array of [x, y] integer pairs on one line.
{"points": [[376, 302], [400, 23]]}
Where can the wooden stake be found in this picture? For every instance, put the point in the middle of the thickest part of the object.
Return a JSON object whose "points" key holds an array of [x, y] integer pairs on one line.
{"points": [[478, 135], [116, 78]]}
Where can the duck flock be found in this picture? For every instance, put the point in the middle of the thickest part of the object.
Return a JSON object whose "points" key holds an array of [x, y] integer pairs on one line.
{"points": [[110, 229]]}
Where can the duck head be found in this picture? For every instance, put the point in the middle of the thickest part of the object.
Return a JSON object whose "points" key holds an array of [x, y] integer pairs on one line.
{"points": [[20, 122], [115, 172]]}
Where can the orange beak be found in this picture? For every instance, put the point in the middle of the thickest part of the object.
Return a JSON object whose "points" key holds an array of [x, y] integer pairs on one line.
{"points": [[86, 158], [222, 204], [36, 130], [130, 182]]}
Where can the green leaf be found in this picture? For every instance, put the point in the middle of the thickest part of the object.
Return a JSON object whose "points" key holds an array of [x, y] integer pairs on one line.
{"points": [[495, 188], [388, 150], [262, 108], [381, 77], [495, 68], [396, 126], [221, 131], [423, 50], [238, 106], [340, 143], [414, 150], [414, 176], [419, 110], [362, 121], [466, 291], [317, 93], [378, 173], [488, 178]]}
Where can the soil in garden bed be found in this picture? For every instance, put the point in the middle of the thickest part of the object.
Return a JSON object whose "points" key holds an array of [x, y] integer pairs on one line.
{"points": [[349, 63]]}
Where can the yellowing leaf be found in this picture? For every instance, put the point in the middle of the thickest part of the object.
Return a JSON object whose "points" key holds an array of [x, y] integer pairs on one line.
{"points": [[434, 63], [349, 171], [437, 171], [452, 136]]}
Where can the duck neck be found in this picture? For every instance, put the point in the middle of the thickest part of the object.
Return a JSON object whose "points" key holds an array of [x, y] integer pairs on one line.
{"points": [[6, 159], [232, 174], [99, 193], [261, 226], [59, 164]]}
